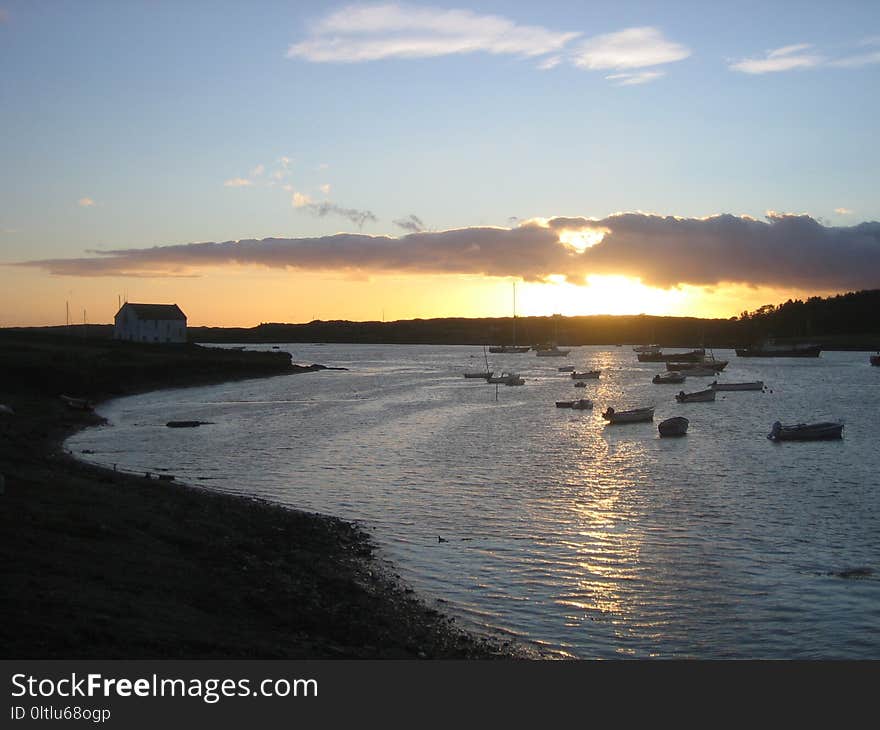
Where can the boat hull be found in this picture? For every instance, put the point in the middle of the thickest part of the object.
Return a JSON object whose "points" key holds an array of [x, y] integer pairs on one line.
{"points": [[823, 431], [702, 396], [757, 385], [782, 352], [639, 415], [676, 426]]}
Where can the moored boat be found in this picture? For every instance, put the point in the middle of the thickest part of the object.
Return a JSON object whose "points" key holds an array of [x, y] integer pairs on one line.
{"points": [[771, 349], [756, 385], [553, 351], [821, 431], [707, 363], [582, 404], [566, 369], [564, 403], [692, 356], [875, 359], [635, 415], [675, 426], [668, 378], [482, 374], [700, 396], [589, 375]]}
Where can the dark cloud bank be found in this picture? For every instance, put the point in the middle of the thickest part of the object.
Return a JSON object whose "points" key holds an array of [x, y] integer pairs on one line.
{"points": [[782, 251]]}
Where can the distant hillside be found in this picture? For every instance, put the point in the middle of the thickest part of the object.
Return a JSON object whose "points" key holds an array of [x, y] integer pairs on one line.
{"points": [[845, 321]]}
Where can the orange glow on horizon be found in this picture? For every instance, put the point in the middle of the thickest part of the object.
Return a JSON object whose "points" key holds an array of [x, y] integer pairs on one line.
{"points": [[247, 296]]}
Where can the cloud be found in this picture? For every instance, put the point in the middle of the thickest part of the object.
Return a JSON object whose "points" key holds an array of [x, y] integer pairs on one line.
{"points": [[325, 188], [638, 77], [862, 59], [238, 182], [411, 223], [258, 170], [358, 33], [4, 16], [780, 59], [358, 217], [843, 211], [300, 200], [85, 203], [629, 48], [783, 251]]}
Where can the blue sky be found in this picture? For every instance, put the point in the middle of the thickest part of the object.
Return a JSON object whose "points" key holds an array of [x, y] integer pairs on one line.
{"points": [[136, 124]]}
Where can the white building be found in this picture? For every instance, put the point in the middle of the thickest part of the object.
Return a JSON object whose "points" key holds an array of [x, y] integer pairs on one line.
{"points": [[150, 323]]}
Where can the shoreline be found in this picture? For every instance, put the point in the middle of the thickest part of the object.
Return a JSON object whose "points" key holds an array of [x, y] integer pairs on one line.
{"points": [[110, 565]]}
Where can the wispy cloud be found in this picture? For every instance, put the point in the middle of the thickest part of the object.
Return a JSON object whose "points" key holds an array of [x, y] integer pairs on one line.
{"points": [[325, 188], [787, 58], [629, 48], [783, 250], [359, 33], [411, 223], [635, 78], [85, 203], [358, 217], [258, 170], [801, 56], [843, 211], [238, 182]]}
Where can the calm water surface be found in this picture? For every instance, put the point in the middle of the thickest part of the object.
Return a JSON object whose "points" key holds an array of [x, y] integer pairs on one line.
{"points": [[585, 540]]}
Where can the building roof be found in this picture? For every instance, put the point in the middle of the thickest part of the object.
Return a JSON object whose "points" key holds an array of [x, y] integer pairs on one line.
{"points": [[156, 311]]}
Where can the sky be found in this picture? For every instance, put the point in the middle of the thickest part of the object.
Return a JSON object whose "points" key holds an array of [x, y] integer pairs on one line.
{"points": [[288, 161]]}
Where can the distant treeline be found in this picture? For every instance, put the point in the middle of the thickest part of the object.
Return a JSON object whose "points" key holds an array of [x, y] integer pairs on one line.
{"points": [[845, 321]]}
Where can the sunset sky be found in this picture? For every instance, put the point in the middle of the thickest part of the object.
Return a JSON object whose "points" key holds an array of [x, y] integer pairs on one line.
{"points": [[284, 161]]}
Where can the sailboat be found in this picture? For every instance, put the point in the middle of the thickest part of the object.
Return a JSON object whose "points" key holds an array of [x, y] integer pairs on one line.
{"points": [[485, 374], [508, 349]]}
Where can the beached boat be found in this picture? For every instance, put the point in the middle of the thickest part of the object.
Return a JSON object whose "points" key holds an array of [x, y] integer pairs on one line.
{"points": [[756, 385], [582, 404], [645, 348], [589, 375], [700, 396], [78, 404], [667, 378], [675, 426], [771, 349], [636, 415], [821, 431]]}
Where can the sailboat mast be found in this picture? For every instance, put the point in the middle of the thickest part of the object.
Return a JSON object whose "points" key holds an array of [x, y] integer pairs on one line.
{"points": [[514, 314]]}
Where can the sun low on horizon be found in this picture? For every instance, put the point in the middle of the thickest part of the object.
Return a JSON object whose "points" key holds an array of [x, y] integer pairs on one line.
{"points": [[418, 159]]}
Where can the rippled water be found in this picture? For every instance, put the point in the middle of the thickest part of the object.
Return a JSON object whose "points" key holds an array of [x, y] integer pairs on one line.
{"points": [[585, 539]]}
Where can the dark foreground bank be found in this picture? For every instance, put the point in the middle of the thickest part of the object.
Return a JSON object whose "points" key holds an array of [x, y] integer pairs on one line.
{"points": [[97, 564]]}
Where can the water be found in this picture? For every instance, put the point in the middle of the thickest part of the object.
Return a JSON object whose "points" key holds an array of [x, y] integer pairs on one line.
{"points": [[582, 539]]}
